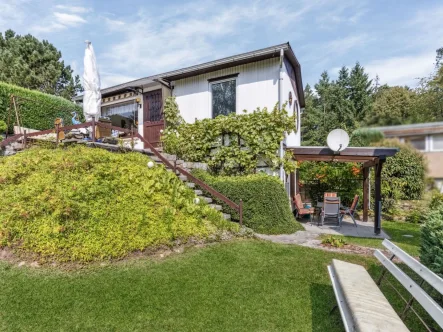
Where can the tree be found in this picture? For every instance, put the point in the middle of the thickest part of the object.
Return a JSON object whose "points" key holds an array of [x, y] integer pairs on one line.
{"points": [[393, 106], [34, 64], [360, 92]]}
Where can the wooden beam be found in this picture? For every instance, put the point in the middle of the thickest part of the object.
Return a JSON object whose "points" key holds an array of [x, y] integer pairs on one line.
{"points": [[378, 198], [337, 158], [366, 193], [351, 151]]}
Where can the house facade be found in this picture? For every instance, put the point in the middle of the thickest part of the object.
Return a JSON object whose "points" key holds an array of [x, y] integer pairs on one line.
{"points": [[428, 139], [261, 78]]}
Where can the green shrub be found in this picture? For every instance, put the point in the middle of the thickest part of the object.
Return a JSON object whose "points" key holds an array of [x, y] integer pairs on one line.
{"points": [[320, 177], [431, 248], [83, 204], [436, 200], [334, 241], [230, 145], [403, 175], [38, 110], [266, 207]]}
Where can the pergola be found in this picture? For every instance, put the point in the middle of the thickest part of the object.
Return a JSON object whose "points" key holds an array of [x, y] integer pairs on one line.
{"points": [[367, 156]]}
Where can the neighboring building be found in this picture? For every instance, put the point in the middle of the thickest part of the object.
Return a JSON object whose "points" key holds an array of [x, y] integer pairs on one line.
{"points": [[245, 81], [425, 137]]}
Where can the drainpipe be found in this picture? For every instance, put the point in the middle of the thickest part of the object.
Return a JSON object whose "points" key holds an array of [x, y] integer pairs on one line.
{"points": [[280, 103]]}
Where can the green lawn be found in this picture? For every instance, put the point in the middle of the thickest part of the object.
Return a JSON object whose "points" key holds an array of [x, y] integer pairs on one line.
{"points": [[243, 285], [395, 230]]}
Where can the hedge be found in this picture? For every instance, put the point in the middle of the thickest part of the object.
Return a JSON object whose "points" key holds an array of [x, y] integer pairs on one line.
{"points": [[39, 110], [431, 248], [265, 204]]}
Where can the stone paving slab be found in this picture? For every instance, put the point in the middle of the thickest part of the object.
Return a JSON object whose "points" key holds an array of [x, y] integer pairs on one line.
{"points": [[363, 229]]}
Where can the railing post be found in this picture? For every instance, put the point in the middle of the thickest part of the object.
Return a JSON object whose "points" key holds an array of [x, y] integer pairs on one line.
{"points": [[132, 137], [24, 139], [56, 134], [93, 128], [240, 211]]}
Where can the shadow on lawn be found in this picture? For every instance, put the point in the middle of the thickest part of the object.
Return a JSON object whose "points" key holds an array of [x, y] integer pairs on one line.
{"points": [[322, 302]]}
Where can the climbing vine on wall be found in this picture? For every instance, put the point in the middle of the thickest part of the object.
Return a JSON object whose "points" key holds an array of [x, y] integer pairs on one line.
{"points": [[233, 144]]}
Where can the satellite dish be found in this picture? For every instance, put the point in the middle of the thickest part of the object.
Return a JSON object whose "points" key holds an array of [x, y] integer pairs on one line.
{"points": [[338, 140]]}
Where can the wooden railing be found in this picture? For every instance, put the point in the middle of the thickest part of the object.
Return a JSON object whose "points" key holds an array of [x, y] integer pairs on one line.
{"points": [[236, 207]]}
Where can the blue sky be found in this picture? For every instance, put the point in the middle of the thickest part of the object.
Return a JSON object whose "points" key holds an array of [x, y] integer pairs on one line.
{"points": [[132, 39]]}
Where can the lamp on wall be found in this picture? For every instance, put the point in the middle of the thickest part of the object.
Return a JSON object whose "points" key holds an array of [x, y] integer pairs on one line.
{"points": [[290, 98]]}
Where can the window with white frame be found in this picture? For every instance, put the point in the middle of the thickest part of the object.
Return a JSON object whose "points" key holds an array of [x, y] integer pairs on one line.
{"points": [[418, 142], [437, 142], [223, 97]]}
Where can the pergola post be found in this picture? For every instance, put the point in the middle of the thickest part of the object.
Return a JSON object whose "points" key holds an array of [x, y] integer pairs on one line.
{"points": [[377, 209], [366, 193]]}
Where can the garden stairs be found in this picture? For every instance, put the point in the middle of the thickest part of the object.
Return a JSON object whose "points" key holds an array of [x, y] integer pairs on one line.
{"points": [[187, 166]]}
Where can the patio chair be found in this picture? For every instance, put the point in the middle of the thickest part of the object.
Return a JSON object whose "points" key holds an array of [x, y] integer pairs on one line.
{"points": [[331, 209], [330, 195], [350, 211], [301, 211]]}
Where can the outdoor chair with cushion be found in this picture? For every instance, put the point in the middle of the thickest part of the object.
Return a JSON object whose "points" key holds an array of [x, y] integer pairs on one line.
{"points": [[350, 211], [330, 195], [300, 209], [331, 209]]}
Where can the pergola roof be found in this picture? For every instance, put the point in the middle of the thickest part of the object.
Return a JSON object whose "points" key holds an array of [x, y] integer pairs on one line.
{"points": [[367, 155]]}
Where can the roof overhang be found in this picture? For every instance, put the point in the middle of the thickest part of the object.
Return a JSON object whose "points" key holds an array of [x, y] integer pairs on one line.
{"points": [[249, 57], [369, 156]]}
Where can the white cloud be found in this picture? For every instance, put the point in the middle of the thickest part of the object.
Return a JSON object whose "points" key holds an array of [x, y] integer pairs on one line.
{"points": [[74, 9], [68, 19], [110, 79], [194, 33], [343, 45], [11, 11], [402, 70], [59, 20]]}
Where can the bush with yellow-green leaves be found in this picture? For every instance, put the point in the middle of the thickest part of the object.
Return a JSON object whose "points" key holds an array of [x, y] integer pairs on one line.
{"points": [[83, 204]]}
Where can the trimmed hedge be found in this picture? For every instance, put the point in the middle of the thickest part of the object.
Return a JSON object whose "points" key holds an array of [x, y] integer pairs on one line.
{"points": [[40, 111], [431, 248], [265, 204]]}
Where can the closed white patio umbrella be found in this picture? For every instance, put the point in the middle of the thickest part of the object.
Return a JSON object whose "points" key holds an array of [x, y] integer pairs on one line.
{"points": [[92, 98]]}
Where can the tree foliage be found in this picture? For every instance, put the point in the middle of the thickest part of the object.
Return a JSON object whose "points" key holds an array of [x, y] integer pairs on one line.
{"points": [[403, 175], [34, 64], [431, 248], [232, 144]]}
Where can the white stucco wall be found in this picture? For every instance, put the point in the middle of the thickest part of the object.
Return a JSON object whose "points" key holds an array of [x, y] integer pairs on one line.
{"points": [[293, 139], [257, 86]]}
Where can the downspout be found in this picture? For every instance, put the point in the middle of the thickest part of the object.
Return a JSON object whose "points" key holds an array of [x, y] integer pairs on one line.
{"points": [[280, 104]]}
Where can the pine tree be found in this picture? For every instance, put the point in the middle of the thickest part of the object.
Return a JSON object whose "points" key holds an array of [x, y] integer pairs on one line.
{"points": [[360, 91]]}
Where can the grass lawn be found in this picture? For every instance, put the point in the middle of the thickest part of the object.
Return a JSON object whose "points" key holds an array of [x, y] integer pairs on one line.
{"points": [[396, 230], [243, 285]]}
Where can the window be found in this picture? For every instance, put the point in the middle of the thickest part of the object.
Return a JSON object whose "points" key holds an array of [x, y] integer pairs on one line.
{"points": [[123, 115], [417, 142], [437, 142], [223, 97]]}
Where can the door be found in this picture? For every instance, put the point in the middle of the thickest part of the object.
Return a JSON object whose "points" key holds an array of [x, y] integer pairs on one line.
{"points": [[153, 120]]}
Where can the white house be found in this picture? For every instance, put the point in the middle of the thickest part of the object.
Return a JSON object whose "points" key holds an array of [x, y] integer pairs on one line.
{"points": [[245, 81]]}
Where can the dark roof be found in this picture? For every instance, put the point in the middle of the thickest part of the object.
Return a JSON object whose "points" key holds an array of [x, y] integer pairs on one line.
{"points": [[366, 155], [235, 60]]}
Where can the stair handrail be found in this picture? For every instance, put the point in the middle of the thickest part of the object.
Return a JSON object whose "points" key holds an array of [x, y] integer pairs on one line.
{"points": [[200, 183]]}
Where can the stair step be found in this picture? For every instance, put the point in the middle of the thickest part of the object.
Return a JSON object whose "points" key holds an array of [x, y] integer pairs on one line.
{"points": [[198, 192], [226, 216], [207, 199], [216, 206], [190, 184], [155, 158], [183, 177]]}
